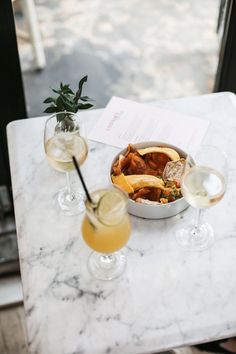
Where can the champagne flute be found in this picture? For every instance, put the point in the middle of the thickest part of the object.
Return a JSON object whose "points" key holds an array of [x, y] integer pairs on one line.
{"points": [[64, 136], [203, 185], [106, 229]]}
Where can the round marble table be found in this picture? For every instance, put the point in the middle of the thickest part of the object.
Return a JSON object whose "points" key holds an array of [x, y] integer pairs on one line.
{"points": [[167, 298]]}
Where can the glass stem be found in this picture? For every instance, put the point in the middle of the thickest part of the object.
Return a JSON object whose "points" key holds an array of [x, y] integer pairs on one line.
{"points": [[107, 260], [68, 186], [196, 221]]}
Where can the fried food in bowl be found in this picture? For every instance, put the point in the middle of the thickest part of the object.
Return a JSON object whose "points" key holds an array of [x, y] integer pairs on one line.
{"points": [[150, 173]]}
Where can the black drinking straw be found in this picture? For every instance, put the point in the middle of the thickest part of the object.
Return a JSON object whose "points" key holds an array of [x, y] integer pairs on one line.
{"points": [[82, 180]]}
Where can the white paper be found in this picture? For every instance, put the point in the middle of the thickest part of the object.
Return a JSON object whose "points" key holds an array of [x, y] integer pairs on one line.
{"points": [[123, 122]]}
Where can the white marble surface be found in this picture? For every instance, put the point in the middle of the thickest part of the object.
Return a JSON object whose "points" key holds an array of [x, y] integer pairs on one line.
{"points": [[167, 298]]}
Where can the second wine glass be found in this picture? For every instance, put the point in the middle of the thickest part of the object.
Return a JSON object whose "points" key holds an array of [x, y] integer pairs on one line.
{"points": [[64, 136], [203, 185]]}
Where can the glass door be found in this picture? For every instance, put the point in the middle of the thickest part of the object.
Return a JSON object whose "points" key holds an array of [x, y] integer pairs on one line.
{"points": [[226, 71]]}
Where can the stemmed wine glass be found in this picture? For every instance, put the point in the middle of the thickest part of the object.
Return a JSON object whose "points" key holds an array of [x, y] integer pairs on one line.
{"points": [[106, 229], [64, 136], [203, 185]]}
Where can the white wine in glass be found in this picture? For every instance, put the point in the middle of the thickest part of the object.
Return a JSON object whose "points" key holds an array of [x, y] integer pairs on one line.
{"points": [[203, 185], [61, 147], [64, 138]]}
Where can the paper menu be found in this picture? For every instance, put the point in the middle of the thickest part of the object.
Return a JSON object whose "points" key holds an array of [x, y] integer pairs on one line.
{"points": [[124, 121]]}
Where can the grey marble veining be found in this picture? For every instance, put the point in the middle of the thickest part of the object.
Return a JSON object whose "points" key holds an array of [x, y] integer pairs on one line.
{"points": [[167, 298]]}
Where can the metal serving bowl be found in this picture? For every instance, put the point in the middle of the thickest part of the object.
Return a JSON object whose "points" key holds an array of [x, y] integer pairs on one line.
{"points": [[159, 211]]}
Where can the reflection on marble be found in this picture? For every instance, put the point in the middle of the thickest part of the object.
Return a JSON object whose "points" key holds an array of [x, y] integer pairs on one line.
{"points": [[167, 298]]}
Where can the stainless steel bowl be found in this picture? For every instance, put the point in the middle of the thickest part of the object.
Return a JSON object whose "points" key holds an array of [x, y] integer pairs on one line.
{"points": [[159, 211]]}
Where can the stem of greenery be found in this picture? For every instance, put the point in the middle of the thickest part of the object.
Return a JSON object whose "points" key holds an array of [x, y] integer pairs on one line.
{"points": [[67, 101]]}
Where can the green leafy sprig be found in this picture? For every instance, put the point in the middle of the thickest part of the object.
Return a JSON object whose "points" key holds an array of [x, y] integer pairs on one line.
{"points": [[67, 101]]}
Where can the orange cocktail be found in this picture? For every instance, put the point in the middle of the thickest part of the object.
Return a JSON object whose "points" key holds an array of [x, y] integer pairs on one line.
{"points": [[106, 239], [106, 229]]}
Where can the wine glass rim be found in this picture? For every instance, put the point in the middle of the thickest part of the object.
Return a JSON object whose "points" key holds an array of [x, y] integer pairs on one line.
{"points": [[192, 157], [77, 120], [61, 112], [108, 186]]}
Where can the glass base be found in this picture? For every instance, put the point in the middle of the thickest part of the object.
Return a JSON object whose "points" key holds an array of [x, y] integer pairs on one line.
{"points": [[195, 240], [69, 203], [106, 267]]}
